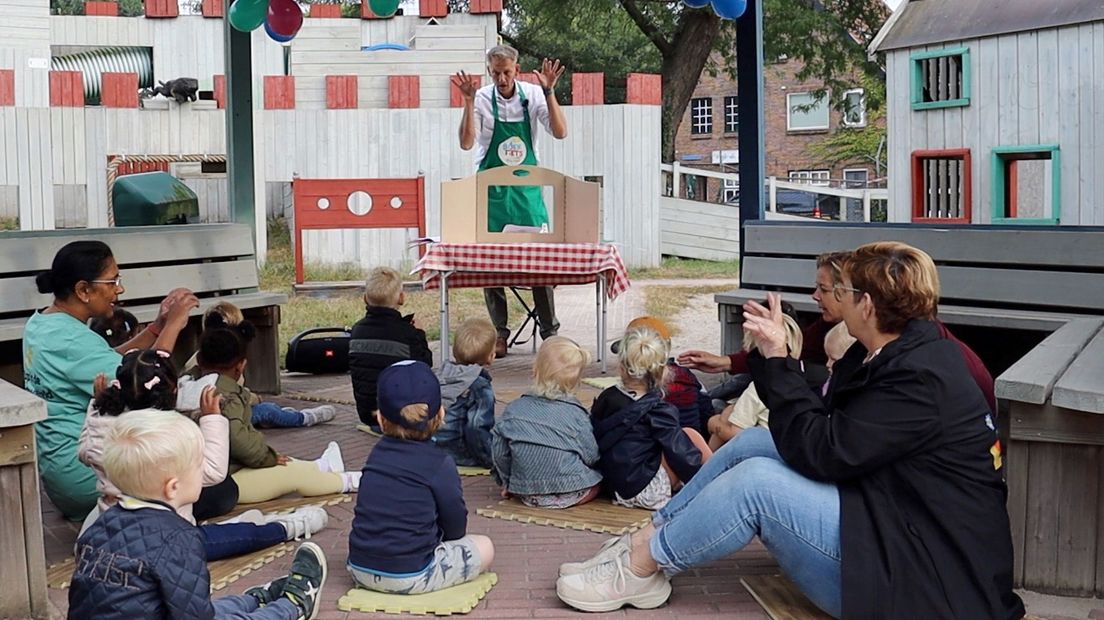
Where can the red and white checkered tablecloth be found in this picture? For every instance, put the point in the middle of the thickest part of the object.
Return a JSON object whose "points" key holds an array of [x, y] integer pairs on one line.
{"points": [[478, 265]]}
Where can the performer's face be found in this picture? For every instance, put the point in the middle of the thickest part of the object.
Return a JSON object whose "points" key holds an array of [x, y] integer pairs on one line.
{"points": [[503, 71]]}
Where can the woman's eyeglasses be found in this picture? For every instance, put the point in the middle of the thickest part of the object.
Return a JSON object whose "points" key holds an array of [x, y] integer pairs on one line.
{"points": [[839, 289], [117, 281]]}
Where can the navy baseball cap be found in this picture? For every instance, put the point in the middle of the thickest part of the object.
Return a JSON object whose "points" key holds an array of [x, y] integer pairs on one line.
{"points": [[408, 383]]}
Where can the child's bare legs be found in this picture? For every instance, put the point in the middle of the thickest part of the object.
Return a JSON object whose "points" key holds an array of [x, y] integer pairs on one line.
{"points": [[590, 496], [640, 554], [700, 443], [486, 551]]}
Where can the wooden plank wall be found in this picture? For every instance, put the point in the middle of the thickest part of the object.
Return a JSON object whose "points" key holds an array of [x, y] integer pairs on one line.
{"points": [[1042, 87], [693, 229]]}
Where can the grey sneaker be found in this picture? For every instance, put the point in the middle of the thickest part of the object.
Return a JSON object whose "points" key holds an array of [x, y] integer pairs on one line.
{"points": [[268, 592], [305, 580], [610, 585], [318, 415], [302, 522], [611, 548]]}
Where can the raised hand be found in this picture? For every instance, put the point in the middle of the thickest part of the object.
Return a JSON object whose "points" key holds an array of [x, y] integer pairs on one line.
{"points": [[209, 402], [765, 325], [549, 73], [704, 361], [467, 84]]}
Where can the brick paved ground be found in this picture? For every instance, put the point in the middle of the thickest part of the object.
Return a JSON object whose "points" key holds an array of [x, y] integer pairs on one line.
{"points": [[527, 556]]}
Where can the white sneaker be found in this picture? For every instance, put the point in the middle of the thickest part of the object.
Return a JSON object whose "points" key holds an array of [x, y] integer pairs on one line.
{"points": [[254, 516], [331, 459], [611, 548], [610, 585], [350, 481], [318, 415], [301, 523]]}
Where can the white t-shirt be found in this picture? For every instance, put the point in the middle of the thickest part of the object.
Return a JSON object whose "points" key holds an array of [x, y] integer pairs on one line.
{"points": [[509, 110]]}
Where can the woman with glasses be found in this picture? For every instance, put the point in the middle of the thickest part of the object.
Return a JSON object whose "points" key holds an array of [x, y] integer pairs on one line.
{"points": [[883, 501], [62, 356]]}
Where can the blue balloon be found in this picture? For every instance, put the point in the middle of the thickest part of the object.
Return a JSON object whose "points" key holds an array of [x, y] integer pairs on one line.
{"points": [[696, 4], [729, 9], [275, 36]]}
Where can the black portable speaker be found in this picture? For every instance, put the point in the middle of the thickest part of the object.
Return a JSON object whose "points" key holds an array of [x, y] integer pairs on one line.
{"points": [[319, 355]]}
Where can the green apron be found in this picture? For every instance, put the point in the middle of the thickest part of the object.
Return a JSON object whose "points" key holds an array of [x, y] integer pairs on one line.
{"points": [[512, 145]]}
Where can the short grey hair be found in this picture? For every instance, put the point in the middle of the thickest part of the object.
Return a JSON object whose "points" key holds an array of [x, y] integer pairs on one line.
{"points": [[502, 52]]}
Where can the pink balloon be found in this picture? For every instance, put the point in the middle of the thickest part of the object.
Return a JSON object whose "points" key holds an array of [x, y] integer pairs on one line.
{"points": [[285, 18]]}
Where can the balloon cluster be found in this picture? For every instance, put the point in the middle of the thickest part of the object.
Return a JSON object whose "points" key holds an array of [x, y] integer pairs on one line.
{"points": [[725, 9], [282, 19]]}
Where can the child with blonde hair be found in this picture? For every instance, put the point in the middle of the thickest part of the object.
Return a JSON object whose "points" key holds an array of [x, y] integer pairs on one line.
{"points": [[384, 336], [645, 451], [141, 559], [467, 395], [748, 411], [260, 472], [416, 541], [543, 447], [263, 414]]}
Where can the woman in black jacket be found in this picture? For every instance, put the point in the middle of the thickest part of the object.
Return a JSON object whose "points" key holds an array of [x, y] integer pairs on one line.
{"points": [[884, 501]]}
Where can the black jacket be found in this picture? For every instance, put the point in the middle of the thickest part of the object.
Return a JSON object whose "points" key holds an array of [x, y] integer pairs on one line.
{"points": [[380, 339], [140, 563], [633, 438], [924, 532]]}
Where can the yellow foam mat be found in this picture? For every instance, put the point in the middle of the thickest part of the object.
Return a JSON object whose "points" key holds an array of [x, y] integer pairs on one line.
{"points": [[455, 600], [223, 572], [597, 516], [333, 400], [465, 470], [780, 598], [601, 382], [364, 428]]}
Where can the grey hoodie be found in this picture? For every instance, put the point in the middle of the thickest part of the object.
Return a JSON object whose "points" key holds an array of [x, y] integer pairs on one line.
{"points": [[455, 380]]}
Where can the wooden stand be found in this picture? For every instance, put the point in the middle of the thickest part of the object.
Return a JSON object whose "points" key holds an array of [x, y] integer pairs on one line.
{"points": [[23, 568]]}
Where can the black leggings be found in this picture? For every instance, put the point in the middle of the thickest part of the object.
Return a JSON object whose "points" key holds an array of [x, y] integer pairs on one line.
{"points": [[216, 500]]}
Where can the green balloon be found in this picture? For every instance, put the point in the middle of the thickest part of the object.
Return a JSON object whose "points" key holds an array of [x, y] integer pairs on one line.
{"points": [[383, 8], [248, 15]]}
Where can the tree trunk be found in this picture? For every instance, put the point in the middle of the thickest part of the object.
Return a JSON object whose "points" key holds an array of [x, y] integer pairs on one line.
{"points": [[682, 68]]}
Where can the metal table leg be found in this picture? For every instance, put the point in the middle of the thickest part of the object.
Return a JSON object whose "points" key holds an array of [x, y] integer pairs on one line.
{"points": [[600, 289], [444, 339]]}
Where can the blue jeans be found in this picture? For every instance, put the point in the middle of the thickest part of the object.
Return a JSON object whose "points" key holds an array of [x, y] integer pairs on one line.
{"points": [[744, 490], [242, 606], [271, 415], [233, 539]]}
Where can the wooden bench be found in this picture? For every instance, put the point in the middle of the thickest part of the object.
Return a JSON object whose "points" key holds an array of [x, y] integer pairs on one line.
{"points": [[1004, 288], [1055, 462], [1028, 300], [216, 261], [23, 569]]}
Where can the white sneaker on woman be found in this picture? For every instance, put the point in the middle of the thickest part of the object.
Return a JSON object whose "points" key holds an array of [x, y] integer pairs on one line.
{"points": [[611, 548], [302, 522], [611, 585]]}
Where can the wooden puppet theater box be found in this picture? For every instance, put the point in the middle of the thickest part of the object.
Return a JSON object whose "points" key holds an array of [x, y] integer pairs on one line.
{"points": [[573, 210]]}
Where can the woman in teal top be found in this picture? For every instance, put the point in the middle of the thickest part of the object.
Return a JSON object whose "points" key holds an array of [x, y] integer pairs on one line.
{"points": [[61, 358]]}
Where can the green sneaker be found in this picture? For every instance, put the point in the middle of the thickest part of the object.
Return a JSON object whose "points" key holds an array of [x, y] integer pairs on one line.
{"points": [[304, 582], [268, 592]]}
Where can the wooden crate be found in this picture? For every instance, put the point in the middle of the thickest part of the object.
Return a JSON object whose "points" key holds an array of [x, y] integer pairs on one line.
{"points": [[7, 87], [279, 92], [119, 90], [214, 8], [66, 89], [325, 10], [162, 8], [341, 92], [432, 8]]}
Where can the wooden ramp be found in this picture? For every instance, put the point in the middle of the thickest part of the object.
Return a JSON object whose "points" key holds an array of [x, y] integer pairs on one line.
{"points": [[780, 598]]}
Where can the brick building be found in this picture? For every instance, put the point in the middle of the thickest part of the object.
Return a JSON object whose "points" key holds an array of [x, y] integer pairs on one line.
{"points": [[707, 136]]}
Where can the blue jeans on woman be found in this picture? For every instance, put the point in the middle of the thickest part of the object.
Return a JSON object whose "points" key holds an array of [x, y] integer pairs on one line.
{"points": [[271, 415], [229, 540], [747, 490]]}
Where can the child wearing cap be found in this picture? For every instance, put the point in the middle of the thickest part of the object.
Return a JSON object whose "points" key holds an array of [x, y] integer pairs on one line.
{"points": [[645, 450], [415, 541]]}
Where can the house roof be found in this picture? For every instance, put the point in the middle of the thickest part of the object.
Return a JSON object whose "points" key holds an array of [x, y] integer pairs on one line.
{"points": [[925, 22]]}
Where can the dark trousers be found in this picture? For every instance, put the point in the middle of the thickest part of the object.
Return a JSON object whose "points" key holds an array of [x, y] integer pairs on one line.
{"points": [[543, 299], [216, 500]]}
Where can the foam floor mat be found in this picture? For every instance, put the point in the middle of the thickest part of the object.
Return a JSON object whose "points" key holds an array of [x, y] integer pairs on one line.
{"points": [[597, 516], [455, 600], [601, 382]]}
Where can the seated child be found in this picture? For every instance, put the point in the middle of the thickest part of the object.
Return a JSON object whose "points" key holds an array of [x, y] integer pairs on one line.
{"points": [[415, 541], [382, 338], [146, 381], [140, 559], [682, 388], [645, 452], [264, 414], [118, 330], [748, 411], [836, 342], [543, 447], [261, 473], [467, 395]]}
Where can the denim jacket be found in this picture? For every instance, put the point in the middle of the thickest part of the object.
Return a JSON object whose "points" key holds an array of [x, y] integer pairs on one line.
{"points": [[544, 446], [469, 403]]}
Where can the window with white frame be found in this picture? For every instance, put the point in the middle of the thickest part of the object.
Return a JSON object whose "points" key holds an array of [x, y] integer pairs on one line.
{"points": [[812, 177], [854, 108], [701, 116], [732, 114], [731, 190], [805, 111]]}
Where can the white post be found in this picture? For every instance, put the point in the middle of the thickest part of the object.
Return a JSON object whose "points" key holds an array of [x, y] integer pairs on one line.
{"points": [[773, 191], [866, 205], [843, 209], [675, 193]]}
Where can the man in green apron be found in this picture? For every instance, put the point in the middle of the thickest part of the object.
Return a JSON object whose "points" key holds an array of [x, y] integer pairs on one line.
{"points": [[499, 121]]}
